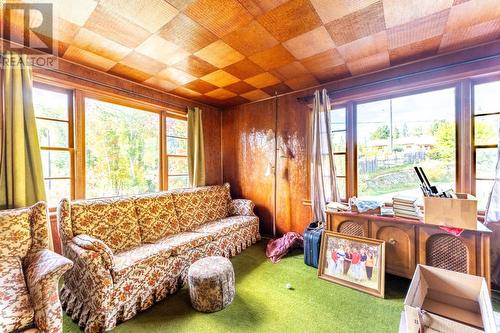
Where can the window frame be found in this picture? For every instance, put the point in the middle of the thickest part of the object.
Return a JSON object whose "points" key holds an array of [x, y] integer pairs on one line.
{"points": [[352, 128], [474, 116], [333, 107], [76, 132], [463, 154], [405, 93], [166, 155], [464, 103], [70, 148]]}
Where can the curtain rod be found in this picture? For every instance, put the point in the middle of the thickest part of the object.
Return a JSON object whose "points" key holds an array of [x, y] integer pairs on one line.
{"points": [[494, 56]]}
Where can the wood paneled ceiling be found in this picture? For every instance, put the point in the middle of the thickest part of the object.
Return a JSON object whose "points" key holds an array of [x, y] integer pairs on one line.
{"points": [[227, 52]]}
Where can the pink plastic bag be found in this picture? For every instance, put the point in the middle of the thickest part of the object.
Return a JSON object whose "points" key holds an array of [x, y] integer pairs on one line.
{"points": [[278, 248], [453, 231]]}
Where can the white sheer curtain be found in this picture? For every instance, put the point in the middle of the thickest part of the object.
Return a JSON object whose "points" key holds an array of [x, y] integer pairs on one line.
{"points": [[322, 163]]}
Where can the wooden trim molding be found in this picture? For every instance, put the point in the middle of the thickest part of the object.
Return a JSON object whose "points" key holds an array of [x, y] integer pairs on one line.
{"points": [[163, 152], [108, 96], [79, 112], [351, 151], [464, 137]]}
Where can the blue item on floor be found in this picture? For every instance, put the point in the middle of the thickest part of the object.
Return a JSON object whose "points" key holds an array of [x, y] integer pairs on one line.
{"points": [[312, 242]]}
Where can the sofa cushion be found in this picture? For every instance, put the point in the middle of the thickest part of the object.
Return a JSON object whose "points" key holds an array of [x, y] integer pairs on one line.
{"points": [[227, 225], [184, 241], [156, 216], [144, 256], [196, 206], [112, 220], [15, 307], [15, 232]]}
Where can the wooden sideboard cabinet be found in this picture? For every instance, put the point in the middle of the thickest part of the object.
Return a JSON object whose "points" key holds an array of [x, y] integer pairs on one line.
{"points": [[411, 242]]}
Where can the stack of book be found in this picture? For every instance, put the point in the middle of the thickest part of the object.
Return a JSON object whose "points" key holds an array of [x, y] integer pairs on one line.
{"points": [[406, 207]]}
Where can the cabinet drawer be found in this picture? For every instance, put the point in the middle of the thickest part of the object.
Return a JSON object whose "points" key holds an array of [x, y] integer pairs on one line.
{"points": [[399, 247]]}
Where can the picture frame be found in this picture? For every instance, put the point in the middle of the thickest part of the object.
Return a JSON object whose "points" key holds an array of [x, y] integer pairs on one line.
{"points": [[338, 254]]}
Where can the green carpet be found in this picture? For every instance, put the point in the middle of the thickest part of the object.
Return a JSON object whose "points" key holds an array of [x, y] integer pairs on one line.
{"points": [[263, 304]]}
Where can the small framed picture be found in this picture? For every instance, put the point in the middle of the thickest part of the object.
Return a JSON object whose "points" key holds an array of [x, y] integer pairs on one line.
{"points": [[355, 262]]}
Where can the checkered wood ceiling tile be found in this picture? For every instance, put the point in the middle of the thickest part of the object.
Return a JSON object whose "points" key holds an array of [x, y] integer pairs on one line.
{"points": [[227, 52]]}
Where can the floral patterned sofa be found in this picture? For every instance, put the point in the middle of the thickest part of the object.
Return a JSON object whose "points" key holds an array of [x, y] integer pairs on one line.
{"points": [[130, 252], [29, 272]]}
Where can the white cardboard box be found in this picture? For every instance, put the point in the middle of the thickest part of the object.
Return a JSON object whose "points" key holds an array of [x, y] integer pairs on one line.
{"points": [[402, 323], [448, 302]]}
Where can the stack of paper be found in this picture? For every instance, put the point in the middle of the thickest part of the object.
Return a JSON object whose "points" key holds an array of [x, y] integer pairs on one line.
{"points": [[406, 207]]}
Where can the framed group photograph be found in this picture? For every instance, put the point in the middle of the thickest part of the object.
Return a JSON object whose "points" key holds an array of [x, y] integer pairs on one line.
{"points": [[355, 262]]}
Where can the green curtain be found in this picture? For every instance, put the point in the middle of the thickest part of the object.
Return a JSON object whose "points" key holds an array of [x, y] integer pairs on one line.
{"points": [[21, 173], [196, 152]]}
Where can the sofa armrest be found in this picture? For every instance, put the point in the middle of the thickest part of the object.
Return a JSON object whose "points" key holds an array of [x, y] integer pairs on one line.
{"points": [[90, 243], [242, 207], [43, 269], [64, 220], [90, 279]]}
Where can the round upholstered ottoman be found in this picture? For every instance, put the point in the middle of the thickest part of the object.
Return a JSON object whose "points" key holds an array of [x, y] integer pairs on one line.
{"points": [[211, 284]]}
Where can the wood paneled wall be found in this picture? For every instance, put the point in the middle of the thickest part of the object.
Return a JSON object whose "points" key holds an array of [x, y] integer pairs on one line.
{"points": [[248, 145], [212, 141], [246, 155], [292, 176], [249, 159]]}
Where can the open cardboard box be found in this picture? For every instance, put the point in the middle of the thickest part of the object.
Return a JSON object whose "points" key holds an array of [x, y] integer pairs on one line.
{"points": [[448, 302], [456, 213], [402, 323]]}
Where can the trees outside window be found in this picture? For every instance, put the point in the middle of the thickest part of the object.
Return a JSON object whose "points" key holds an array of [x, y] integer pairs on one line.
{"points": [[121, 150], [394, 135]]}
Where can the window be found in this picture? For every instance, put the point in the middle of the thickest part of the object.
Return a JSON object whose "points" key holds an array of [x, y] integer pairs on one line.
{"points": [[486, 122], [53, 112], [177, 161], [99, 145], [122, 154], [393, 135], [338, 141]]}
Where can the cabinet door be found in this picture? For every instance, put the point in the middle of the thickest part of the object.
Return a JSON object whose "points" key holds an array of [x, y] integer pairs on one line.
{"points": [[399, 246], [352, 226], [440, 249]]}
